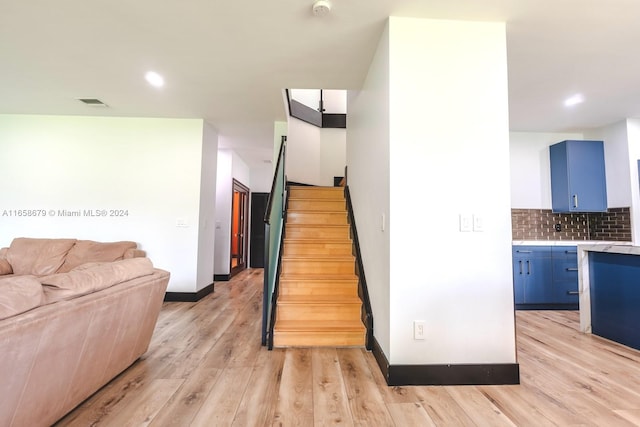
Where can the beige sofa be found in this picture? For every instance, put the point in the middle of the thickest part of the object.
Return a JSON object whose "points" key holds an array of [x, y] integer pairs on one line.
{"points": [[73, 315]]}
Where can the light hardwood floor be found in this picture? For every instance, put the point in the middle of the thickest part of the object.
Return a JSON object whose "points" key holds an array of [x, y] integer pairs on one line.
{"points": [[206, 367]]}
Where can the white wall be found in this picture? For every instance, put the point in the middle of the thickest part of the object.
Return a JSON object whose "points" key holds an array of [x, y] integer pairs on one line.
{"points": [[334, 101], [315, 155], [633, 135], [530, 173], [448, 150], [240, 170], [151, 168], [616, 157], [207, 217], [368, 180], [224, 192], [261, 179], [308, 97], [303, 152], [333, 154]]}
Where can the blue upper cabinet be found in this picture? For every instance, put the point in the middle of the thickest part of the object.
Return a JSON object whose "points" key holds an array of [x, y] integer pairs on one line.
{"points": [[578, 182]]}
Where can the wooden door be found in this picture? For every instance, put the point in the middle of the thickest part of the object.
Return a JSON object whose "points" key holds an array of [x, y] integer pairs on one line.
{"points": [[239, 210]]}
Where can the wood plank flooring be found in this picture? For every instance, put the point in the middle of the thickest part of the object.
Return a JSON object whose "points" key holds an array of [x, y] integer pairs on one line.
{"points": [[206, 367]]}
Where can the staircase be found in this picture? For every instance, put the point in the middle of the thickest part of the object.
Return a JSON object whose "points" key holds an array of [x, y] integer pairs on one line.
{"points": [[318, 303]]}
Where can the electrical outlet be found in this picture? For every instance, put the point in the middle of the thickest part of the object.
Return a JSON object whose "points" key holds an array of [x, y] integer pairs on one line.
{"points": [[418, 329]]}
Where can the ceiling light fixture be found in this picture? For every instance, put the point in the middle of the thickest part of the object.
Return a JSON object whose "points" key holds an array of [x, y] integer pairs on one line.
{"points": [[574, 100], [321, 8], [154, 79]]}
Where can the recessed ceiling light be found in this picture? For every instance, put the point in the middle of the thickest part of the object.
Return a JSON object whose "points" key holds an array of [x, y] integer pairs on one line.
{"points": [[574, 100], [154, 79]]}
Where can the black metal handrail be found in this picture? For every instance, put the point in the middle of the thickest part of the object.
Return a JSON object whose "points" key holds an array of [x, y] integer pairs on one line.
{"points": [[274, 182], [273, 224]]}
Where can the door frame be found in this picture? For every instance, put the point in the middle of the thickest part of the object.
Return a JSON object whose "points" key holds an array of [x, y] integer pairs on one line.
{"points": [[237, 186]]}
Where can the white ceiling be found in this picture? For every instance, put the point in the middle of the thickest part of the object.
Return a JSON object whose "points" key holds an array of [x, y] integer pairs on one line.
{"points": [[227, 62]]}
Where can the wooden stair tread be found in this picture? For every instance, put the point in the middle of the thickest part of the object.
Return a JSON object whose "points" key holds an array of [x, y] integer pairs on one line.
{"points": [[318, 257], [319, 325], [316, 211], [318, 299], [316, 277], [318, 225], [316, 240], [314, 199]]}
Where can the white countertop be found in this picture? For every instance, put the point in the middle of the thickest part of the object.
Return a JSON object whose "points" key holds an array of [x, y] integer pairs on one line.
{"points": [[594, 243], [615, 248]]}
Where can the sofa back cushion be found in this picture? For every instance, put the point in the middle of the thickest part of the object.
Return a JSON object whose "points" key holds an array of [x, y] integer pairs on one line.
{"points": [[38, 257], [19, 294], [92, 277], [85, 251]]}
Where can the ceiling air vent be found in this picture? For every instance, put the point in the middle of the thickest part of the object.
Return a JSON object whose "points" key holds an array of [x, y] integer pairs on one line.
{"points": [[93, 102]]}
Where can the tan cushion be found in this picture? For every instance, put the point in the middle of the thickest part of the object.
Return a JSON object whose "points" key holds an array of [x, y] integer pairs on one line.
{"points": [[93, 277], [38, 257], [19, 294], [134, 253], [5, 267], [89, 251]]}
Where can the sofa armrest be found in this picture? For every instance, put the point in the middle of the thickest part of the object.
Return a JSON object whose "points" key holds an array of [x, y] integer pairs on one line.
{"points": [[5, 267], [134, 253]]}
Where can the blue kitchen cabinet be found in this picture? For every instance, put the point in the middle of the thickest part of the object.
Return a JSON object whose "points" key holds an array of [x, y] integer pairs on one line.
{"points": [[532, 274], [578, 182], [564, 260], [545, 277]]}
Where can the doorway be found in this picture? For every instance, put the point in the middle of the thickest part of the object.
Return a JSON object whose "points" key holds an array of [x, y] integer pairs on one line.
{"points": [[239, 210], [258, 208]]}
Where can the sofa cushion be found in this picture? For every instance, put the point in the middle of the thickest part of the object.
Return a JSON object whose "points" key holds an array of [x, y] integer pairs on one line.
{"points": [[89, 251], [92, 277], [19, 294], [38, 257], [5, 267], [134, 253]]}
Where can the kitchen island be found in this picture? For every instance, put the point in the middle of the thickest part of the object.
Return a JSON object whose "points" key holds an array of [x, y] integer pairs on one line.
{"points": [[609, 289]]}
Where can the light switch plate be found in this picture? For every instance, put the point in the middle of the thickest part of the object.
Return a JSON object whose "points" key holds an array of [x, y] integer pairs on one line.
{"points": [[418, 329], [478, 223], [466, 222]]}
